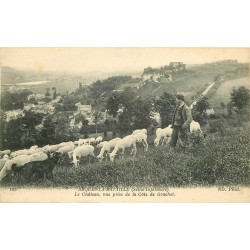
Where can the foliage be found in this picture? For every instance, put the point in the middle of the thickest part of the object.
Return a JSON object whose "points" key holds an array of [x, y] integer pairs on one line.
{"points": [[240, 98], [68, 103], [112, 105], [142, 110], [14, 100], [62, 129], [13, 134], [29, 133], [54, 93], [99, 87], [165, 105], [3, 129], [199, 109], [47, 133]]}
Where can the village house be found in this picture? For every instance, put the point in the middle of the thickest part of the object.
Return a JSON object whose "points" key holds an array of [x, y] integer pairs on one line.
{"points": [[84, 109], [14, 114], [36, 96]]}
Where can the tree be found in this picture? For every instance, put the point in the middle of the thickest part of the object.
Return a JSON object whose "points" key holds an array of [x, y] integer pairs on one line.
{"points": [[97, 118], [14, 100], [3, 130], [28, 128], [85, 127], [47, 93], [127, 106], [165, 106], [223, 105], [141, 113], [200, 108], [62, 127], [240, 98], [54, 93], [47, 133], [202, 105], [13, 134], [112, 105], [98, 88]]}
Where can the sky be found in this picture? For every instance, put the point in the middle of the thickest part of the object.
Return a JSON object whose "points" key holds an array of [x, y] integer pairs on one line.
{"points": [[112, 59]]}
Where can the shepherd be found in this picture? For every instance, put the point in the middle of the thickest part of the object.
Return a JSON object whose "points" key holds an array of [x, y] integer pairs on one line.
{"points": [[181, 122]]}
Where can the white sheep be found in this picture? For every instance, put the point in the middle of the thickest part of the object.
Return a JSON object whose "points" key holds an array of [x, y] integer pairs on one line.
{"points": [[83, 150], [100, 145], [3, 160], [126, 142], [107, 146], [52, 148], [67, 148], [20, 160], [83, 142], [44, 148], [98, 139], [4, 152], [18, 152], [163, 135], [25, 152], [33, 147], [63, 144], [139, 131], [141, 137], [195, 127], [91, 140]]}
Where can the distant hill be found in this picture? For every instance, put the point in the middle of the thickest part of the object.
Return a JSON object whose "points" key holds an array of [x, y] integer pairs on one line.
{"points": [[62, 81], [194, 78]]}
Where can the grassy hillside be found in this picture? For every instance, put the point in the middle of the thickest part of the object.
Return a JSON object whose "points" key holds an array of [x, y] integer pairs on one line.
{"points": [[223, 92], [222, 159], [191, 81]]}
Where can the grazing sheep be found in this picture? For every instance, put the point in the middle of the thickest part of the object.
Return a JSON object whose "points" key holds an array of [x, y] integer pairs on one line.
{"points": [[42, 169], [107, 147], [139, 131], [163, 135], [65, 149], [196, 135], [126, 142], [100, 145], [45, 147], [25, 152], [52, 148], [91, 140], [4, 152], [63, 144], [83, 142], [3, 160], [98, 139], [20, 160], [33, 147], [83, 150], [141, 137], [194, 127]]}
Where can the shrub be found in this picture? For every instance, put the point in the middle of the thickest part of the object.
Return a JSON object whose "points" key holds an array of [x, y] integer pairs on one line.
{"points": [[217, 126]]}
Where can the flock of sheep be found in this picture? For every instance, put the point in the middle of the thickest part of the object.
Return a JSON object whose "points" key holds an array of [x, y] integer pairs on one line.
{"points": [[42, 160]]}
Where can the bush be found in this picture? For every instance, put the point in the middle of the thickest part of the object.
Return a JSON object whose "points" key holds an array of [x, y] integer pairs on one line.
{"points": [[217, 126]]}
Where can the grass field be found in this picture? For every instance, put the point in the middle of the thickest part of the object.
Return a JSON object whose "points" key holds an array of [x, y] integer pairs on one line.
{"points": [[223, 92], [223, 158]]}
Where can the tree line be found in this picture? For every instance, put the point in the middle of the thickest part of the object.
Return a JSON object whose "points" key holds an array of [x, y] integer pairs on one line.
{"points": [[127, 111]]}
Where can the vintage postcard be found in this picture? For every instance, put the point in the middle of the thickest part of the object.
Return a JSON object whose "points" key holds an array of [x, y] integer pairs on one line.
{"points": [[125, 125]]}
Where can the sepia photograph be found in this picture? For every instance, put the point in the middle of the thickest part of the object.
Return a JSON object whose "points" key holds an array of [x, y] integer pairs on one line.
{"points": [[76, 76], [124, 124]]}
